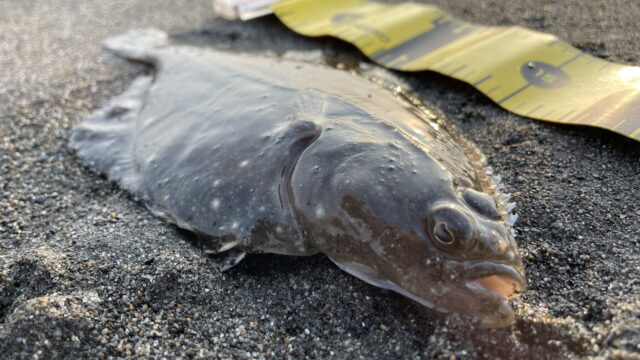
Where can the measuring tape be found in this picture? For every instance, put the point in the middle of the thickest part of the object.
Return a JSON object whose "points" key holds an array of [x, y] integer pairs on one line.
{"points": [[526, 72]]}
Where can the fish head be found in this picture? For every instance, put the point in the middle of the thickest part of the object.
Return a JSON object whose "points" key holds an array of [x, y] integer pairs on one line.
{"points": [[455, 258], [422, 234], [479, 261]]}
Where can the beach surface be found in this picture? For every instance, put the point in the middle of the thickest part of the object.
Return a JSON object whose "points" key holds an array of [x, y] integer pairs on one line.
{"points": [[88, 272]]}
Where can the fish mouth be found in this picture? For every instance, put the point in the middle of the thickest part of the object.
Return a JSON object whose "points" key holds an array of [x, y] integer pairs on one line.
{"points": [[494, 279], [491, 286]]}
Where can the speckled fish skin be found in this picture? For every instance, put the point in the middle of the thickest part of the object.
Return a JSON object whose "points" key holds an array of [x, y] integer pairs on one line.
{"points": [[267, 155]]}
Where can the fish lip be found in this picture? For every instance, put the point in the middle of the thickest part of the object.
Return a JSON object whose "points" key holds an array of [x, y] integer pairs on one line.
{"points": [[488, 268], [468, 273], [489, 307]]}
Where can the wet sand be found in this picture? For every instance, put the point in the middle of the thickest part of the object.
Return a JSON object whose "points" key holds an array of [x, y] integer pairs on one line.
{"points": [[85, 271]]}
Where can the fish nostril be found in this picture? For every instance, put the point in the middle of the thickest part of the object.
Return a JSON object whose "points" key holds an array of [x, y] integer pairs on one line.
{"points": [[499, 244]]}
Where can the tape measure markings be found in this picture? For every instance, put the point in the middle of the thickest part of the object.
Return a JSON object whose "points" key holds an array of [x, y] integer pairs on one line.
{"points": [[566, 118], [532, 111], [478, 82], [523, 88], [536, 75], [518, 106], [493, 89], [459, 68]]}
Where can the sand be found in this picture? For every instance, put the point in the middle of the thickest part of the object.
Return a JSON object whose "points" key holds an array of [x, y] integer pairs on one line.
{"points": [[87, 272]]}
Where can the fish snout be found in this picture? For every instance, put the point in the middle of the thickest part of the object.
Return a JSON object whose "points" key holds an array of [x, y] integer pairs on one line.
{"points": [[497, 242]]}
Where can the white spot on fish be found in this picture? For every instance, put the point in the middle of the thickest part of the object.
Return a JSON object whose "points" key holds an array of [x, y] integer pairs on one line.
{"points": [[215, 204], [235, 225], [216, 183], [148, 120], [262, 209], [377, 247], [320, 213], [244, 163]]}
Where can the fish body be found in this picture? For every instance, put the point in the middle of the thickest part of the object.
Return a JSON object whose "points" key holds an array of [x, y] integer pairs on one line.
{"points": [[274, 156]]}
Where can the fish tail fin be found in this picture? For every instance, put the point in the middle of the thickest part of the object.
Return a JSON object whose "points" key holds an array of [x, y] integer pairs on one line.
{"points": [[137, 44], [105, 141]]}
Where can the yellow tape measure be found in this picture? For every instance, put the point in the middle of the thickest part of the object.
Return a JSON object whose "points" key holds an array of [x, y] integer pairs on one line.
{"points": [[526, 72]]}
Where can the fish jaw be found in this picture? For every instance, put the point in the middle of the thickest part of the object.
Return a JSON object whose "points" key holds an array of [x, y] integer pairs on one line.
{"points": [[486, 288], [481, 293]]}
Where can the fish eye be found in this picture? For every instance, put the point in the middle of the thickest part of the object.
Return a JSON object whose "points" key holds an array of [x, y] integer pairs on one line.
{"points": [[442, 234], [449, 227]]}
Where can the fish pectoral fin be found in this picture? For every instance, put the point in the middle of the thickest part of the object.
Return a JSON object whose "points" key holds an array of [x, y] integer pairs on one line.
{"points": [[372, 277], [225, 260], [363, 272]]}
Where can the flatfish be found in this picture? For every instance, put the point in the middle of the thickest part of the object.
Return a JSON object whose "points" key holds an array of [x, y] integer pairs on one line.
{"points": [[265, 155]]}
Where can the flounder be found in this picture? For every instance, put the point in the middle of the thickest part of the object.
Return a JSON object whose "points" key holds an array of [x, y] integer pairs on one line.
{"points": [[273, 156]]}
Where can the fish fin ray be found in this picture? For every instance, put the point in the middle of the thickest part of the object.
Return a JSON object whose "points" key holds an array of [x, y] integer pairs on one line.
{"points": [[310, 102], [226, 259], [362, 272]]}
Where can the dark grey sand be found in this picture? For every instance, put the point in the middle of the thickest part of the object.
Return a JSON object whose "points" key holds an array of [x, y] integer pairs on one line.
{"points": [[87, 272]]}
